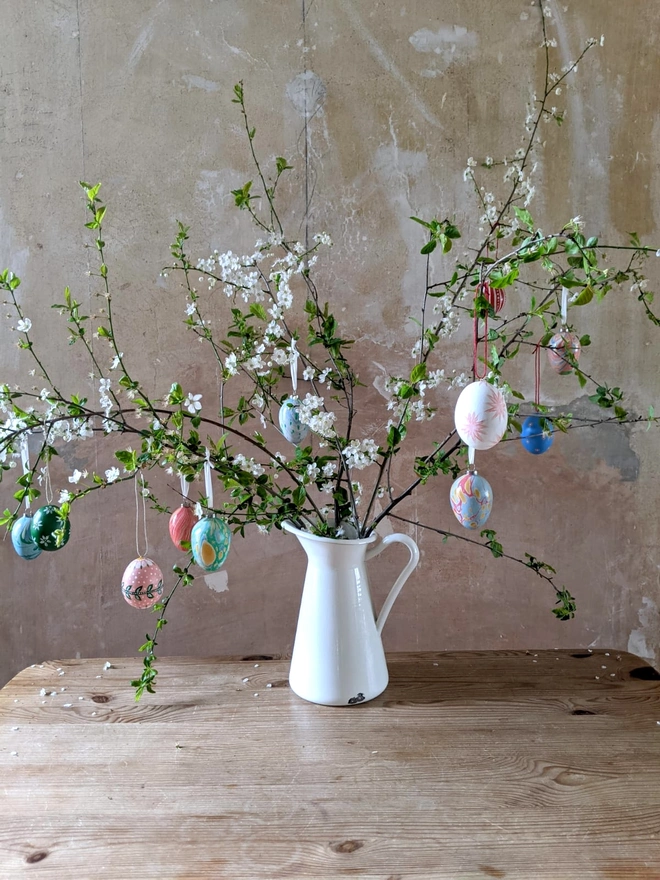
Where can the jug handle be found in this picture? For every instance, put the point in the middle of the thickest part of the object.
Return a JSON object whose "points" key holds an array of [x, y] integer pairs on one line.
{"points": [[403, 577]]}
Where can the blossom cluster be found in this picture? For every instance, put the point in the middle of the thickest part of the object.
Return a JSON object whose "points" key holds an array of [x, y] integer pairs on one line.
{"points": [[360, 453]]}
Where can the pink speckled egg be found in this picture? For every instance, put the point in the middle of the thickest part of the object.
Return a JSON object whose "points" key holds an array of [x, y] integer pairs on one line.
{"points": [[142, 583]]}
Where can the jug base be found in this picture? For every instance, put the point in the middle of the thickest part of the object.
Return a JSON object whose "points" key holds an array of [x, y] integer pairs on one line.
{"points": [[325, 699]]}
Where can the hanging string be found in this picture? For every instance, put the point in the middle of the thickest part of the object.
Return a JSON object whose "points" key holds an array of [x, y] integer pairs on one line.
{"points": [[564, 307], [208, 482], [537, 374], [294, 366], [25, 461], [137, 519], [185, 487], [471, 451], [475, 347]]}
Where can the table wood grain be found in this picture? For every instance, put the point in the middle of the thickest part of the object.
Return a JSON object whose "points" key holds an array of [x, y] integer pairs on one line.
{"points": [[517, 765]]}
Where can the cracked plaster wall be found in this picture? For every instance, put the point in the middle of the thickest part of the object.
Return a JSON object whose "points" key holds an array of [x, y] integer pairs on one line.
{"points": [[388, 100]]}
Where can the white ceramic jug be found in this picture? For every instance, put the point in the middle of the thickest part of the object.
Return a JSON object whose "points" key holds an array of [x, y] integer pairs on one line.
{"points": [[338, 657]]}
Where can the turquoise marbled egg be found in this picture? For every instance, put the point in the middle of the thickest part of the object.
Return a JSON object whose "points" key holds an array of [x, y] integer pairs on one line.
{"points": [[290, 425], [21, 538], [209, 542]]}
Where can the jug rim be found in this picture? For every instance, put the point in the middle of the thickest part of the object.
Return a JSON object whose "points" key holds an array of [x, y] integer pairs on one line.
{"points": [[289, 527]]}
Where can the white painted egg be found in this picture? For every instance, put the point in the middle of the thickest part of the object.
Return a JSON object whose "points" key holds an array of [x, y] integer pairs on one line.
{"points": [[290, 425], [481, 415]]}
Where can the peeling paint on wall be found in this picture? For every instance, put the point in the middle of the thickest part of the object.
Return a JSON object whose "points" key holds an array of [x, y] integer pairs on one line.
{"points": [[642, 640], [218, 581]]}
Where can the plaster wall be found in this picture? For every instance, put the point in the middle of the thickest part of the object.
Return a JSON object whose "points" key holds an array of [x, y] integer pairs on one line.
{"points": [[386, 100]]}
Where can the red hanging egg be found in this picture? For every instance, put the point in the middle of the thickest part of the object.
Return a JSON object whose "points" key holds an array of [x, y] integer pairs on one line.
{"points": [[181, 524], [495, 296], [142, 583]]}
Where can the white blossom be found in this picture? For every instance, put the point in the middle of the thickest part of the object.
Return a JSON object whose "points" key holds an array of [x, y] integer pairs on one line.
{"points": [[311, 413], [65, 497], [77, 476], [24, 325], [112, 474], [323, 238], [248, 464], [360, 453], [116, 361], [310, 372], [312, 471], [193, 403]]}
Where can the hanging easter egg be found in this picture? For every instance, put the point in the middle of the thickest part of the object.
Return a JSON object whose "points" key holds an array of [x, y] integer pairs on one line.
{"points": [[563, 351], [495, 296], [21, 538], [471, 500], [290, 424], [533, 436], [142, 583], [45, 523], [181, 525], [209, 542], [481, 415]]}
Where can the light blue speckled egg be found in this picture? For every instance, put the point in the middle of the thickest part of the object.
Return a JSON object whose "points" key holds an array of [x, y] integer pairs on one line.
{"points": [[209, 542], [290, 424]]}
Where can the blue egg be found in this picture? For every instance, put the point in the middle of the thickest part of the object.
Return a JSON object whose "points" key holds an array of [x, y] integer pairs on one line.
{"points": [[21, 538], [290, 424], [209, 541], [532, 436]]}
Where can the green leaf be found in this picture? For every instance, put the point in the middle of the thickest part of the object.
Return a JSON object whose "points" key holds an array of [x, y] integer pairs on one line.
{"points": [[524, 217], [585, 296], [429, 247], [258, 311], [418, 373], [282, 165], [422, 222]]}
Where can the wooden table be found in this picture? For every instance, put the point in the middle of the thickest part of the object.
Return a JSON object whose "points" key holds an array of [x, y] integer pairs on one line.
{"points": [[471, 765]]}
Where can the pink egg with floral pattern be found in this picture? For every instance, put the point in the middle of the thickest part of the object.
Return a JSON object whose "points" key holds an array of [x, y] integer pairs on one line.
{"points": [[481, 415], [142, 583]]}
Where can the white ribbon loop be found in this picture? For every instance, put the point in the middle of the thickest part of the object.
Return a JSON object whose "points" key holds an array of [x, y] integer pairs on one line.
{"points": [[185, 486], [471, 451], [564, 306], [25, 461], [294, 365], [208, 482]]}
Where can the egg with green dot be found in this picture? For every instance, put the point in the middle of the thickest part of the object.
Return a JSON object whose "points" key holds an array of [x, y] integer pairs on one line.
{"points": [[50, 530]]}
